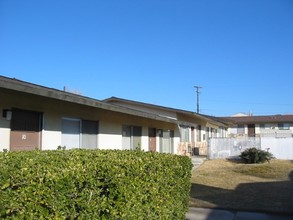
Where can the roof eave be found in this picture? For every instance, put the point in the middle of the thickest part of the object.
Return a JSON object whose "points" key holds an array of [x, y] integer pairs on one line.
{"points": [[21, 86]]}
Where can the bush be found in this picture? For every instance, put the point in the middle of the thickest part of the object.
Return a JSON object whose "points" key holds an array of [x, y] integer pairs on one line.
{"points": [[93, 184], [254, 155]]}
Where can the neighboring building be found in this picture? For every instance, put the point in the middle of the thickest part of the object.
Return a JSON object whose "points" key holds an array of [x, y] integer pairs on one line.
{"points": [[193, 129], [260, 126], [37, 117]]}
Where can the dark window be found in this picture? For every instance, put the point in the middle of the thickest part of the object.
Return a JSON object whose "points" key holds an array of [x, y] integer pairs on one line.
{"points": [[23, 120], [284, 126], [240, 129], [89, 134]]}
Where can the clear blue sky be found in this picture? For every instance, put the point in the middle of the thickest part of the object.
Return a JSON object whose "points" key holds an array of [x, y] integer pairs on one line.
{"points": [[156, 51]]}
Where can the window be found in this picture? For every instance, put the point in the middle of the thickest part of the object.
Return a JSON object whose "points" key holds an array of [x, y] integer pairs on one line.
{"points": [[284, 126], [184, 133], [23, 120], [70, 128], [131, 137], [240, 129], [166, 141], [207, 133], [199, 133], [78, 133], [215, 132], [89, 134]]}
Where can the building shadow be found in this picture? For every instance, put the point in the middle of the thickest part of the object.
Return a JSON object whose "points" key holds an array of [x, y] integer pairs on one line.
{"points": [[268, 197]]}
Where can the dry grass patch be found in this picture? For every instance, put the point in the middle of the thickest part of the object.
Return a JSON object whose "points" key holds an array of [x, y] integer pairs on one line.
{"points": [[233, 185]]}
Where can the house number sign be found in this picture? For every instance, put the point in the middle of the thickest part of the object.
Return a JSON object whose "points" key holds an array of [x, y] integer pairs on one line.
{"points": [[23, 137]]}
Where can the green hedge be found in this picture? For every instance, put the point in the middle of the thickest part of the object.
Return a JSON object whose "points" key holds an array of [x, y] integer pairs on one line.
{"points": [[93, 184]]}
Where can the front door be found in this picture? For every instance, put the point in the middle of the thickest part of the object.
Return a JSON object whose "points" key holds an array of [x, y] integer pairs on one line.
{"points": [[152, 139], [25, 130], [251, 130]]}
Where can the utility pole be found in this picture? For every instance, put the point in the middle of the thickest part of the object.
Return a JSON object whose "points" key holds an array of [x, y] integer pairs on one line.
{"points": [[197, 96]]}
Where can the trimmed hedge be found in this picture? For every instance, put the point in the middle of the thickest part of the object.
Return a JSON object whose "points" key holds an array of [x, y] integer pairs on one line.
{"points": [[94, 184]]}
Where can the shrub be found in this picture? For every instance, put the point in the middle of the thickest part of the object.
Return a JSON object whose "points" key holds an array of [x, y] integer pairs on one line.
{"points": [[93, 184], [254, 155]]}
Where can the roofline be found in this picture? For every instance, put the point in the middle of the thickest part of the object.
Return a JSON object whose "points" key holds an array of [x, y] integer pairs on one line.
{"points": [[219, 120], [113, 98], [200, 116], [257, 119], [34, 89]]}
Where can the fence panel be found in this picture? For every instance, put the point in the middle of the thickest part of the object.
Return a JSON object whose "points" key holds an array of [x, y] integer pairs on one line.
{"points": [[281, 148], [230, 147]]}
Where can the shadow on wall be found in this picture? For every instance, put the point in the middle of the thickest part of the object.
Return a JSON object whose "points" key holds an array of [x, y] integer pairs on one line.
{"points": [[270, 197]]}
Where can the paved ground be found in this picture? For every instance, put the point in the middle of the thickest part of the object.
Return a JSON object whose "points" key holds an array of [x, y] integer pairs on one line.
{"points": [[220, 214], [197, 161]]}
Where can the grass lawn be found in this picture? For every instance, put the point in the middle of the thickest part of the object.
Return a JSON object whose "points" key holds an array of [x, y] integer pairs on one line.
{"points": [[233, 185]]}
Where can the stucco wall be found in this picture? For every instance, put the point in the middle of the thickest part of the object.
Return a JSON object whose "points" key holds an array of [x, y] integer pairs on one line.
{"points": [[4, 138], [145, 139], [51, 133], [110, 135], [110, 123], [4, 128]]}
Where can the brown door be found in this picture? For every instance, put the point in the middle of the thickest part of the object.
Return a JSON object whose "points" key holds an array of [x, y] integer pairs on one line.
{"points": [[25, 130], [152, 139], [251, 130]]}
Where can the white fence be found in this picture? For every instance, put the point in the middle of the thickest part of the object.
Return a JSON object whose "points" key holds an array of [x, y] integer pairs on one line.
{"points": [[281, 148], [230, 147]]}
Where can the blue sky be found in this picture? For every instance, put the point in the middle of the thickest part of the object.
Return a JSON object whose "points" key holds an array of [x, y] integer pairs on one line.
{"points": [[239, 51]]}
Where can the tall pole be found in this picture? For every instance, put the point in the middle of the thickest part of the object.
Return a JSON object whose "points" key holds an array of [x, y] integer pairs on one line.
{"points": [[197, 97]]}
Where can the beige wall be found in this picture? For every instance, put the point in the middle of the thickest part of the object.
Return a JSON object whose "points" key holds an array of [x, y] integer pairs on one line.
{"points": [[110, 123], [51, 133], [110, 135], [4, 138], [4, 126]]}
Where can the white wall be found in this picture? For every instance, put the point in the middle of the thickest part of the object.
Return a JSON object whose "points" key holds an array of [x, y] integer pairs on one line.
{"points": [[145, 139], [51, 134], [51, 140], [110, 135], [4, 138], [281, 148], [4, 132], [176, 144]]}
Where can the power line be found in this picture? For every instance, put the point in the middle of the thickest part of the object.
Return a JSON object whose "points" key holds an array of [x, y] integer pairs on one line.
{"points": [[197, 97]]}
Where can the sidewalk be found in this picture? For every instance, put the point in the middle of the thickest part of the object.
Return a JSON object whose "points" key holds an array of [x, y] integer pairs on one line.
{"points": [[219, 214], [197, 161]]}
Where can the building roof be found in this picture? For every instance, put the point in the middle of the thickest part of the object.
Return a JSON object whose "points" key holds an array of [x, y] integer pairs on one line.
{"points": [[30, 88], [116, 101], [259, 119]]}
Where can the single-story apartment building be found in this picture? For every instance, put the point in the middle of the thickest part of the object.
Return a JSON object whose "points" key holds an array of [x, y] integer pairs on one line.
{"points": [[38, 117], [259, 126], [194, 129]]}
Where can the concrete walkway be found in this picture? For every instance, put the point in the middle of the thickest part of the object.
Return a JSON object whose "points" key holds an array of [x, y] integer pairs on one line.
{"points": [[197, 161], [221, 214]]}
